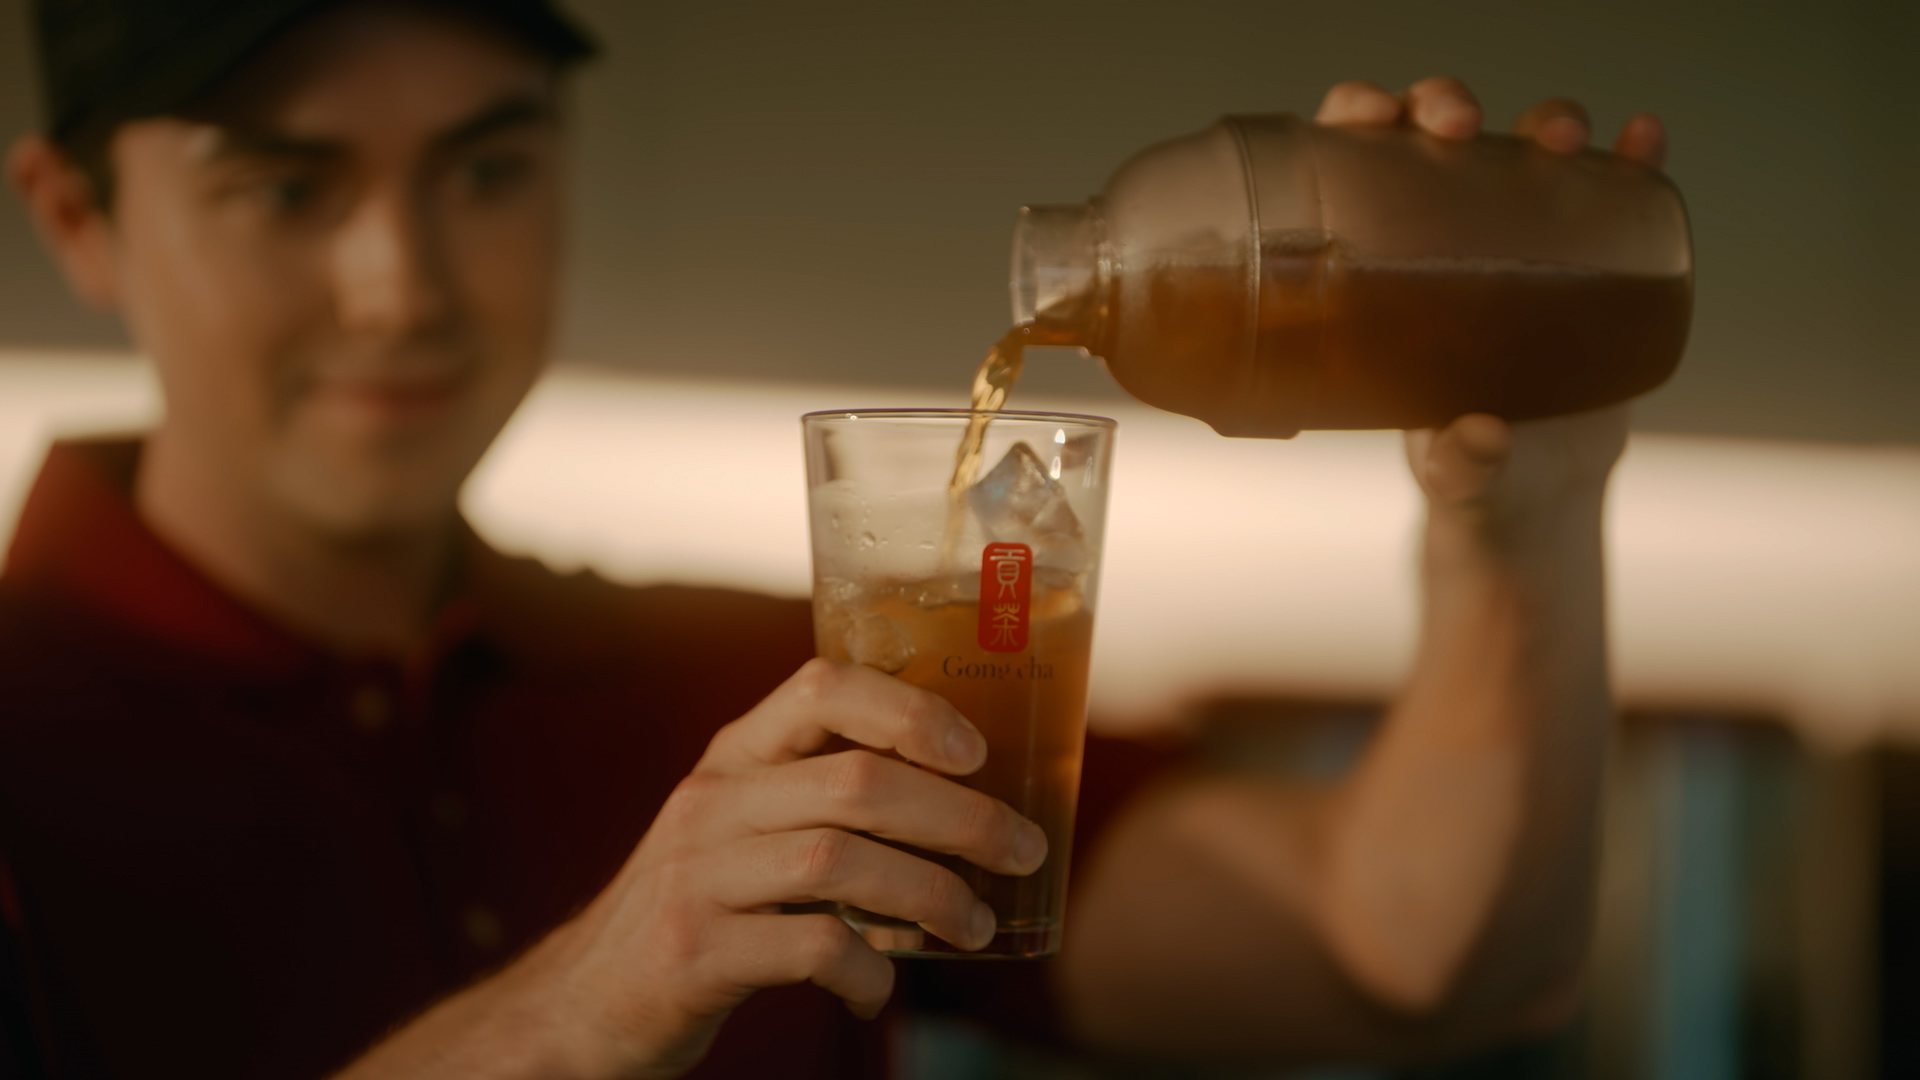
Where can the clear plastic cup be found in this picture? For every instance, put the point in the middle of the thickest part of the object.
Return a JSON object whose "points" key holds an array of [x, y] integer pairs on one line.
{"points": [[984, 596]]}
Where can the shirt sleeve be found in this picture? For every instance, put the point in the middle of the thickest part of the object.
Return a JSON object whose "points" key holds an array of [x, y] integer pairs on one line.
{"points": [[1017, 1000], [43, 1033], [20, 1049]]}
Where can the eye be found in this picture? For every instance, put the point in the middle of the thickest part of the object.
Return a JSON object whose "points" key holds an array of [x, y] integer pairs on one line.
{"points": [[495, 173], [293, 194], [284, 193]]}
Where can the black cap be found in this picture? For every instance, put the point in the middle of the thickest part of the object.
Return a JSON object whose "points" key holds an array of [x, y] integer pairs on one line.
{"points": [[103, 62]]}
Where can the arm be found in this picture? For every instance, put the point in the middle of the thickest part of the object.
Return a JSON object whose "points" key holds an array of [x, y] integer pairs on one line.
{"points": [[1439, 898]]}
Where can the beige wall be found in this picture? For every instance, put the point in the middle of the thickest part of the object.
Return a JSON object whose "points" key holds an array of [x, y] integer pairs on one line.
{"points": [[824, 190]]}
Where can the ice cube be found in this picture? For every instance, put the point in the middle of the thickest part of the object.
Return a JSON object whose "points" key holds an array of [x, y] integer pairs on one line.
{"points": [[836, 602], [1017, 502], [944, 591], [1056, 593], [879, 642], [838, 599], [839, 592]]}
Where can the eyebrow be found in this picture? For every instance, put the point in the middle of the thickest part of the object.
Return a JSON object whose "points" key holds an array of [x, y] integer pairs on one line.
{"points": [[232, 141], [515, 111]]}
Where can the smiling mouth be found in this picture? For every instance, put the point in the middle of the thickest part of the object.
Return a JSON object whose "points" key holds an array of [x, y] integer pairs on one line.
{"points": [[396, 402]]}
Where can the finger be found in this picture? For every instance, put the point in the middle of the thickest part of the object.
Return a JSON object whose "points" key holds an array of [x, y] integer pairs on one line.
{"points": [[869, 793], [1458, 462], [1644, 139], [1559, 124], [828, 864], [1445, 107], [1359, 102], [752, 952], [826, 698]]}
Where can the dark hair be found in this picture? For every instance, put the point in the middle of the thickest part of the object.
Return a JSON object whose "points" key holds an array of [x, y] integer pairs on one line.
{"points": [[107, 62], [90, 149]]}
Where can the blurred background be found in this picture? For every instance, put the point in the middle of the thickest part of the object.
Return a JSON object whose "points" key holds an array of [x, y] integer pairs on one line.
{"points": [[785, 206], [824, 191]]}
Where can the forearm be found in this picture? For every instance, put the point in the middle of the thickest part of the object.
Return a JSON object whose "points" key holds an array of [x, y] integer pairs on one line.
{"points": [[1435, 901], [507, 1027], [1459, 859]]}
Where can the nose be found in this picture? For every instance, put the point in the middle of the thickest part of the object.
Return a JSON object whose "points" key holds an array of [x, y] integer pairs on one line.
{"points": [[389, 276]]}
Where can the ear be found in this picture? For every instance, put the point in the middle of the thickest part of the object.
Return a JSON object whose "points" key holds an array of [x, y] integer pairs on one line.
{"points": [[74, 227]]}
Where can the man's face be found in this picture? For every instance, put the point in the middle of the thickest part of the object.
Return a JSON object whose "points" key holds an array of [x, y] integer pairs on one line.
{"points": [[344, 273]]}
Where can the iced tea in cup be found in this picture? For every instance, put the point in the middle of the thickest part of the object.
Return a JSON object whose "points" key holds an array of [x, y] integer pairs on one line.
{"points": [[976, 583]]}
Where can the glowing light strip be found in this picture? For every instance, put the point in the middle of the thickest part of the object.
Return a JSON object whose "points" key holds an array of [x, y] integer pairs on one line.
{"points": [[1771, 577]]}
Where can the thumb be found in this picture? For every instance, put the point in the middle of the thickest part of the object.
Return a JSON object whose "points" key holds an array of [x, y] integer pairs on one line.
{"points": [[1459, 462]]}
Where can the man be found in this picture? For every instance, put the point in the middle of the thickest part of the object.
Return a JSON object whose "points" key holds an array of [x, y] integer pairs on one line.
{"points": [[297, 776]]}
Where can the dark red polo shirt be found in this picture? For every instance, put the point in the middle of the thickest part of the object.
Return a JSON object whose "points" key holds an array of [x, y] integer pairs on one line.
{"points": [[227, 852]]}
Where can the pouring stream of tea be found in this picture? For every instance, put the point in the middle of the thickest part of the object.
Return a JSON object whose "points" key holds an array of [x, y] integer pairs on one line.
{"points": [[991, 385]]}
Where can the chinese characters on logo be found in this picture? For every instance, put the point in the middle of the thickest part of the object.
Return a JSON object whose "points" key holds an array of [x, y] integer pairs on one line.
{"points": [[1006, 589]]}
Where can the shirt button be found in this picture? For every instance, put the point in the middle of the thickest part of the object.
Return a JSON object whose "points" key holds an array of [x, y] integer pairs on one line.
{"points": [[449, 811], [482, 927], [371, 707]]}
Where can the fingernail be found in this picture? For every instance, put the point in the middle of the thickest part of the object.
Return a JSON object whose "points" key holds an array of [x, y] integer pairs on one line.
{"points": [[1461, 118], [964, 743], [1564, 132], [1030, 849], [984, 926]]}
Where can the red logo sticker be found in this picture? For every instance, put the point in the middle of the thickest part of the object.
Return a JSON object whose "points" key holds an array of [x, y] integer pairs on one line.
{"points": [[1006, 592]]}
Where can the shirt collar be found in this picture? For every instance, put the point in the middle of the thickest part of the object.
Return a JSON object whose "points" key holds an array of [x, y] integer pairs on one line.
{"points": [[80, 544]]}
